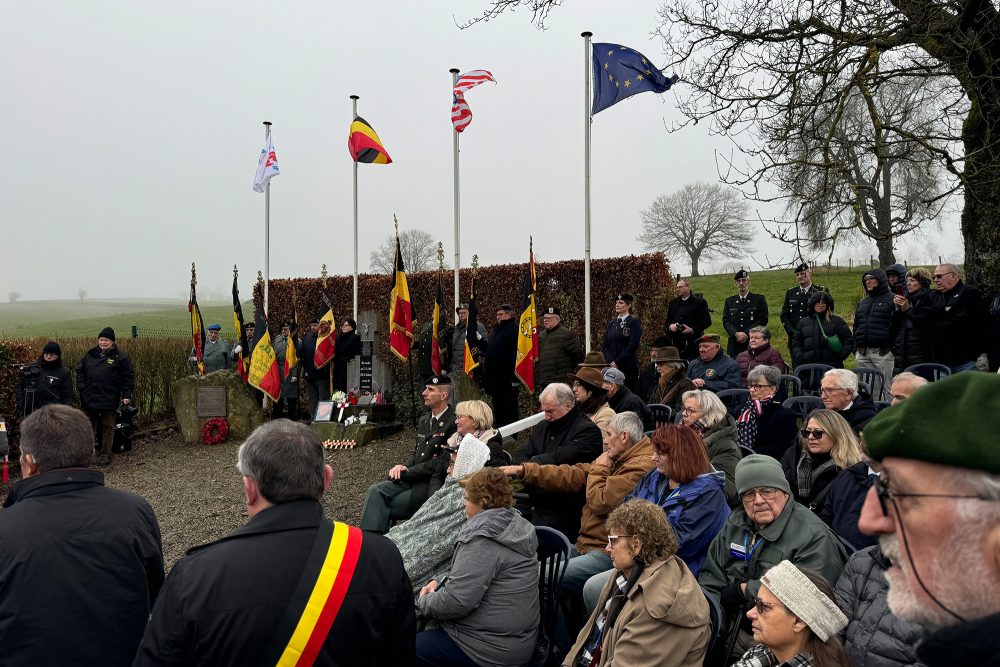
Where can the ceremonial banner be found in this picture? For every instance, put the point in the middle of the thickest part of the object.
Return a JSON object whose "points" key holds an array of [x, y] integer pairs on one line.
{"points": [[264, 373], [461, 114], [364, 145], [243, 357], [291, 353], [621, 72], [197, 326], [437, 365], [472, 350], [527, 339], [267, 166], [400, 310], [326, 340]]}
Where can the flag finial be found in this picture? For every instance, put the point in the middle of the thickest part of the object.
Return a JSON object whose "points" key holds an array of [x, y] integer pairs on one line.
{"points": [[193, 279], [475, 263], [396, 222], [440, 255], [323, 274]]}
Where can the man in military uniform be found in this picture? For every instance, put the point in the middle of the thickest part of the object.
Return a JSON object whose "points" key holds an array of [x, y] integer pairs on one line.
{"points": [[742, 312], [687, 319], [621, 340], [408, 486], [215, 356], [559, 349], [796, 304]]}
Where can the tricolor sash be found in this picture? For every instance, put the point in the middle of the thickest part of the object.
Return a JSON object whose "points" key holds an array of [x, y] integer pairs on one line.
{"points": [[318, 595]]}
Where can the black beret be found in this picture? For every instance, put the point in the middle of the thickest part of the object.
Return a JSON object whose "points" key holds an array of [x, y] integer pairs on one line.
{"points": [[626, 297], [438, 380], [461, 306], [801, 267], [551, 310], [741, 274], [506, 307]]}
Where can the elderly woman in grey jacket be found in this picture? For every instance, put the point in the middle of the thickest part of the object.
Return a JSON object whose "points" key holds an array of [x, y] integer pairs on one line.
{"points": [[706, 414], [487, 607]]}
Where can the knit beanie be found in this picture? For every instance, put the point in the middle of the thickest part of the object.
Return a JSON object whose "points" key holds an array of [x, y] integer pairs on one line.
{"points": [[107, 332], [757, 470], [801, 596], [52, 347]]}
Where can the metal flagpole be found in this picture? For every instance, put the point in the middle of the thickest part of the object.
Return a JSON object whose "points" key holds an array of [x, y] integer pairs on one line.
{"points": [[458, 208], [354, 111], [587, 59], [267, 222]]}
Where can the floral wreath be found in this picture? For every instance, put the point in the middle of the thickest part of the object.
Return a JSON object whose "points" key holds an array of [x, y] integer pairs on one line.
{"points": [[215, 431]]}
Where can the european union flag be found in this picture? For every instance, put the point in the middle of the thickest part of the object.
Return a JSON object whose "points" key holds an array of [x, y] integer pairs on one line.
{"points": [[621, 72]]}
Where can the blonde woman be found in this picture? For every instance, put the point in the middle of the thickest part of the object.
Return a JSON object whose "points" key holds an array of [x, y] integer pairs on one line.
{"points": [[828, 445]]}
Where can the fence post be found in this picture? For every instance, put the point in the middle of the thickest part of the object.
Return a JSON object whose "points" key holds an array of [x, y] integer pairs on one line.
{"points": [[135, 331]]}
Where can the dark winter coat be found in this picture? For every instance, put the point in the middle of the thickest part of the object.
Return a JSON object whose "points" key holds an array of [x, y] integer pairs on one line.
{"points": [[559, 352], [671, 393], [307, 357], [44, 383], [724, 453], [346, 347], [501, 356], [909, 348], [817, 494], [742, 315], [969, 643], [720, 373], [954, 324], [842, 507], [80, 568], [648, 379], [625, 401], [762, 356], [809, 346], [692, 312], [873, 317], [993, 349], [875, 637], [103, 379], [223, 600], [796, 306], [290, 382], [777, 430], [621, 343], [860, 412], [429, 458]]}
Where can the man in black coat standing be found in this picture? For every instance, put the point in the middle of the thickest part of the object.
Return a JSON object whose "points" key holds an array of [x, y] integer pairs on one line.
{"points": [[80, 563], [289, 586], [687, 319], [104, 379], [742, 312], [874, 332], [953, 320], [796, 305], [45, 382], [501, 355]]}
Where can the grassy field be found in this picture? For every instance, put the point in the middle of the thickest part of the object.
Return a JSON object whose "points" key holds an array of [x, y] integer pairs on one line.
{"points": [[153, 317]]}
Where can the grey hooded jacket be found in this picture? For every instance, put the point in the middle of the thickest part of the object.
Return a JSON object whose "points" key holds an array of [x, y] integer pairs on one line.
{"points": [[488, 604]]}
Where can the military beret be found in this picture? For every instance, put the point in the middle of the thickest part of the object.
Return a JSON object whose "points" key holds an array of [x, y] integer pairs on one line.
{"points": [[438, 380], [741, 274], [801, 267], [506, 307], [952, 422], [710, 338], [551, 310], [461, 306], [626, 297], [215, 327]]}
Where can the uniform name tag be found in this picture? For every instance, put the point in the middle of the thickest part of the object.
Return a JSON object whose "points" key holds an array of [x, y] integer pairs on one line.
{"points": [[737, 551]]}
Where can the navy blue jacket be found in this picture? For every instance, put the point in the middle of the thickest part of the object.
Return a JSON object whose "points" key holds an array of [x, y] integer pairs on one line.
{"points": [[842, 507], [696, 511], [873, 318], [621, 343], [501, 355]]}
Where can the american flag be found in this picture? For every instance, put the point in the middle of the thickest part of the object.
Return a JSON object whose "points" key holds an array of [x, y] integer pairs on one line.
{"points": [[461, 114]]}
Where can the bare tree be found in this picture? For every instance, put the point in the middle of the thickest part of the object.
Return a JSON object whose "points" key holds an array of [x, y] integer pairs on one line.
{"points": [[419, 250], [82, 293], [13, 296], [703, 220]]}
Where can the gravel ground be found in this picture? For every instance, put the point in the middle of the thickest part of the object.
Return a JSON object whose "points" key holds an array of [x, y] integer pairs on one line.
{"points": [[196, 491]]}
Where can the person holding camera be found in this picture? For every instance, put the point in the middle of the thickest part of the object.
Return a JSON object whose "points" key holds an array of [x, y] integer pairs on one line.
{"points": [[104, 378], [45, 382]]}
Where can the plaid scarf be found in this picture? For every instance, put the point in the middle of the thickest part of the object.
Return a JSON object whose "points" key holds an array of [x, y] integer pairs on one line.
{"points": [[746, 425], [807, 473], [761, 656], [591, 653]]}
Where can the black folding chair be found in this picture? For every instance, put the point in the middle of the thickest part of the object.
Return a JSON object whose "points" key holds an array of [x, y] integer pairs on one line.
{"points": [[788, 386], [803, 405], [810, 376], [715, 618], [662, 414], [930, 372], [553, 557], [733, 399], [874, 378]]}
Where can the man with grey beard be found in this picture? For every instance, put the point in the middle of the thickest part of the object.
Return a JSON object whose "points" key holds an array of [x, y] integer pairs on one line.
{"points": [[936, 510]]}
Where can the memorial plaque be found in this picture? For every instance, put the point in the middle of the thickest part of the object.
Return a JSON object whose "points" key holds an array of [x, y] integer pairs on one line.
{"points": [[211, 402], [366, 369]]}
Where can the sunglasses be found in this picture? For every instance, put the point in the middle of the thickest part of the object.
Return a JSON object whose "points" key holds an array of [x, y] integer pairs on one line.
{"points": [[812, 433], [763, 607], [939, 276]]}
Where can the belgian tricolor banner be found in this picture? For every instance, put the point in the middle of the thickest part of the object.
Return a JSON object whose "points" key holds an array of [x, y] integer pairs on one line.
{"points": [[472, 351], [527, 339], [264, 373], [198, 326], [319, 595], [291, 355], [244, 356], [326, 339], [400, 310], [437, 363], [364, 145]]}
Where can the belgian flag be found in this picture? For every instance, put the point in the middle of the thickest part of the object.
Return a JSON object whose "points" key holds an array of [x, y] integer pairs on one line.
{"points": [[264, 373], [527, 339], [326, 339], [364, 145], [400, 310], [242, 361], [437, 364], [198, 328], [291, 356], [472, 351]]}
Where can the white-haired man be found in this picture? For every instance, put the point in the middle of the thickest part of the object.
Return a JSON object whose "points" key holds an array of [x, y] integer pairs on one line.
{"points": [[839, 391], [903, 386], [936, 509], [954, 319]]}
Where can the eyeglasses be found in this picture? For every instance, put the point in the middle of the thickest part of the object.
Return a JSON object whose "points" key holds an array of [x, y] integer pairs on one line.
{"points": [[830, 390], [939, 276], [885, 494], [691, 411], [759, 386], [659, 453], [766, 492], [812, 433], [763, 607], [614, 538]]}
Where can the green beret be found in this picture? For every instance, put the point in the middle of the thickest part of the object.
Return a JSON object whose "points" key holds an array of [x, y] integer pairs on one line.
{"points": [[952, 422]]}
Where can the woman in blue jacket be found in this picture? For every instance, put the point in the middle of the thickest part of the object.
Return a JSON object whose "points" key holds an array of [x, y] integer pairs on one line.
{"points": [[690, 491]]}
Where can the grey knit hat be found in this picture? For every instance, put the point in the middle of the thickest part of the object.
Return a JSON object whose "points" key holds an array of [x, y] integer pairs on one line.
{"points": [[757, 470], [801, 596]]}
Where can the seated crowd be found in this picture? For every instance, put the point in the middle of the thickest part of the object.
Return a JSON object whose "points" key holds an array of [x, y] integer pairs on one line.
{"points": [[723, 538]]}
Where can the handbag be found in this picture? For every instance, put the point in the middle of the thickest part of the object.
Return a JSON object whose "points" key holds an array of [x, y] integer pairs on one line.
{"points": [[833, 341]]}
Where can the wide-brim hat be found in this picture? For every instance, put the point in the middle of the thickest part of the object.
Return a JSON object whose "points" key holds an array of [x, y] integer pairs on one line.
{"points": [[589, 376], [593, 359], [668, 353]]}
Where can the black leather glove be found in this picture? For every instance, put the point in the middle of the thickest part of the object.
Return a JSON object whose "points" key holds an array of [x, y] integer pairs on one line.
{"points": [[732, 598]]}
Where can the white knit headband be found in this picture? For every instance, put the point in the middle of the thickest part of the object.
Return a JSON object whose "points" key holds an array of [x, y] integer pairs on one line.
{"points": [[804, 599]]}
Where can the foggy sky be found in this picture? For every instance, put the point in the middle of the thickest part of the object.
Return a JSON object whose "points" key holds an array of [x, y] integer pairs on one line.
{"points": [[132, 131]]}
